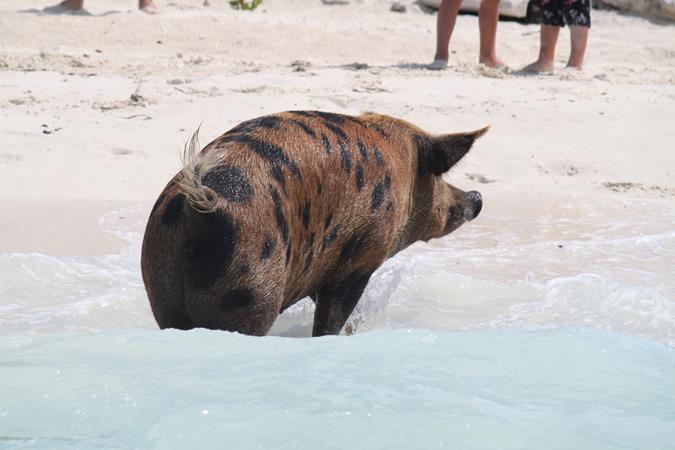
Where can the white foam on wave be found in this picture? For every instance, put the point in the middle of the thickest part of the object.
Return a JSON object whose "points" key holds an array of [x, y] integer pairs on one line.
{"points": [[43, 294], [577, 269], [589, 269]]}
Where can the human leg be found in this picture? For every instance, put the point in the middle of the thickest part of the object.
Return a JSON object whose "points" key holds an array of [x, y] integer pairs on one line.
{"points": [[579, 39], [445, 23], [488, 18], [550, 14], [548, 40], [578, 16]]}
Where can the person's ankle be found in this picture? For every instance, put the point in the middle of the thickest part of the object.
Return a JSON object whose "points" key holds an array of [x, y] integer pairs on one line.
{"points": [[578, 66], [540, 66], [545, 60], [490, 61]]}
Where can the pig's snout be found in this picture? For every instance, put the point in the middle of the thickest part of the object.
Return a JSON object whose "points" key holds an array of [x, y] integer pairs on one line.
{"points": [[474, 203]]}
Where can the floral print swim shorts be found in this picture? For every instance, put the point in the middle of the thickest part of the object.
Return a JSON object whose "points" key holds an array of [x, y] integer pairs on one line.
{"points": [[560, 12]]}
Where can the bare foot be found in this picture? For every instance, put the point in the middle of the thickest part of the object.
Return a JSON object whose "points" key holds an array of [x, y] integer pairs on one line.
{"points": [[571, 73], [70, 5], [572, 68], [493, 62], [148, 6], [67, 7], [538, 67]]}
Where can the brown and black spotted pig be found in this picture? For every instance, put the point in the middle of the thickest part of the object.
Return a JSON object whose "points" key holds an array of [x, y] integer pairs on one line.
{"points": [[296, 204]]}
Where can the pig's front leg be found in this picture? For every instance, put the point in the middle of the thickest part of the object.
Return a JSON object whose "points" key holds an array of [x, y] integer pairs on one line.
{"points": [[335, 303]]}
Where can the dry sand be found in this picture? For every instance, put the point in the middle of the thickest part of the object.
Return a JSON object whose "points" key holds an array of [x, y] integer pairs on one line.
{"points": [[75, 144]]}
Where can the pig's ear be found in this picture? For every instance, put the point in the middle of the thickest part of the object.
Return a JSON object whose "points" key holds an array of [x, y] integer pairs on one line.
{"points": [[447, 149]]}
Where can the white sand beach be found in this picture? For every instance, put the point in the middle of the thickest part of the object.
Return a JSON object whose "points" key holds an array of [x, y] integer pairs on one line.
{"points": [[74, 142]]}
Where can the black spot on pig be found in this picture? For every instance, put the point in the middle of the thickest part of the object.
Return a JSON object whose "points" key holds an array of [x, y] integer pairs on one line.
{"points": [[337, 131], [305, 213], [282, 224], [327, 221], [363, 150], [308, 131], [269, 152], [229, 182], [359, 178], [378, 156], [378, 196], [338, 119], [251, 125], [330, 237], [326, 144], [209, 251], [278, 174], [345, 158], [267, 248], [380, 131], [303, 113]]}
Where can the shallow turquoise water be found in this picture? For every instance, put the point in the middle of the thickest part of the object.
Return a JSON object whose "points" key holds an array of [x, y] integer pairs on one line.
{"points": [[553, 332], [490, 389]]}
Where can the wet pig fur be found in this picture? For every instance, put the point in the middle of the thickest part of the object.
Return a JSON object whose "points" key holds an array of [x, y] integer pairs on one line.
{"points": [[292, 205]]}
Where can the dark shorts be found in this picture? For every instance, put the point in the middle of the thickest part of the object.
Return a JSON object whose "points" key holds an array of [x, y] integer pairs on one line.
{"points": [[560, 12]]}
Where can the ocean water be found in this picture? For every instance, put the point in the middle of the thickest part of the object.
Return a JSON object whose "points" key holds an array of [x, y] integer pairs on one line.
{"points": [[556, 331], [491, 389]]}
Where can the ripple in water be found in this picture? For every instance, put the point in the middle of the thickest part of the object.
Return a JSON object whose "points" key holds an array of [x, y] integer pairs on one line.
{"points": [[509, 349]]}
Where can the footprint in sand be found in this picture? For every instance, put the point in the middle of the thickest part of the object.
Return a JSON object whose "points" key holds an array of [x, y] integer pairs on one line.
{"points": [[627, 186], [121, 151], [125, 152], [478, 178]]}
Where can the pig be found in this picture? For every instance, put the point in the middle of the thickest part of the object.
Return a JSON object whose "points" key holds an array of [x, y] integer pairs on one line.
{"points": [[293, 205]]}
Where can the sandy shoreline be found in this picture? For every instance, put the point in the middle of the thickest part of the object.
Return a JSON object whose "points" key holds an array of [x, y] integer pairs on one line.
{"points": [[76, 146], [61, 227]]}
